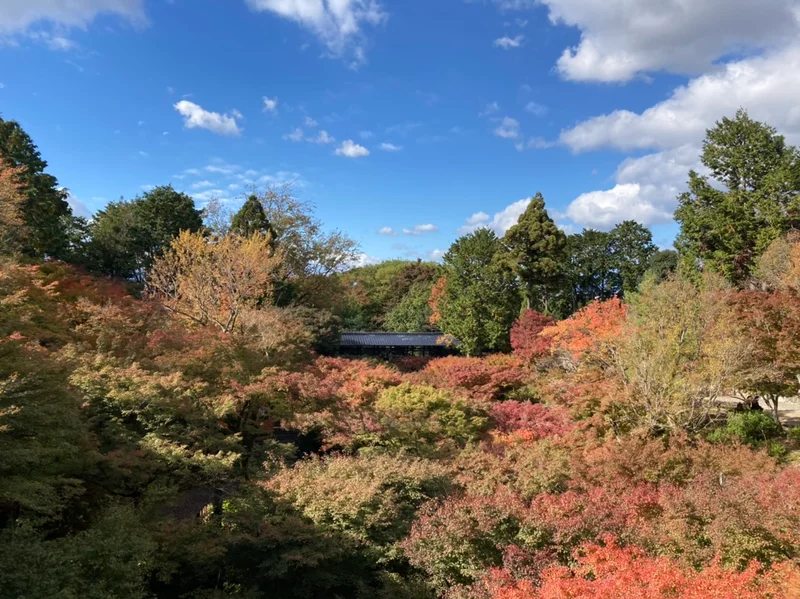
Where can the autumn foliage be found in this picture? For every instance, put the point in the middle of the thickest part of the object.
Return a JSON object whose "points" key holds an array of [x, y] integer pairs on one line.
{"points": [[526, 339], [593, 331], [452, 477], [610, 570]]}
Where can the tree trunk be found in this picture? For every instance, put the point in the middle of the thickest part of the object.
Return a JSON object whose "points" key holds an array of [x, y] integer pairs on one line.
{"points": [[772, 402]]}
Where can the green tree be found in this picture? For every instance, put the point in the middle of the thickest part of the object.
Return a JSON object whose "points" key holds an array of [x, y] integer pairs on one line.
{"points": [[662, 264], [534, 249], [727, 229], [412, 314], [45, 202], [251, 218], [481, 297], [603, 265], [631, 246], [128, 236], [588, 269]]}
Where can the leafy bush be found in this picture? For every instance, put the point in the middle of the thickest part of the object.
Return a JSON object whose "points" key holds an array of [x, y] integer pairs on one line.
{"points": [[423, 418], [751, 428], [371, 498]]}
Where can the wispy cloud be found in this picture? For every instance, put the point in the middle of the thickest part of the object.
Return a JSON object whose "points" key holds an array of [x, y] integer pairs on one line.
{"points": [[507, 43], [270, 105], [389, 147], [420, 229]]}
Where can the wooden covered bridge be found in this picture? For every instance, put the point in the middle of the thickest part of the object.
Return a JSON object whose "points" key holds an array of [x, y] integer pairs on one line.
{"points": [[359, 343]]}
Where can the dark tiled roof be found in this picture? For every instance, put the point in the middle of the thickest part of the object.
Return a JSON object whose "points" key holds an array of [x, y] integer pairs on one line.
{"points": [[363, 339]]}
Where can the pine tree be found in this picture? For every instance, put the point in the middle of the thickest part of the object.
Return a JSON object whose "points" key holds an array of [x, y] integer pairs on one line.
{"points": [[535, 251], [45, 204], [251, 218]]}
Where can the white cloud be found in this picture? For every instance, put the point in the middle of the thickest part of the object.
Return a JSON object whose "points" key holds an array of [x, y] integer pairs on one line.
{"points": [[322, 138], [436, 254], [386, 231], [521, 23], [220, 168], [766, 86], [366, 134], [337, 23], [350, 149], [389, 147], [296, 135], [646, 187], [516, 4], [536, 109], [202, 184], [194, 116], [506, 43], [508, 128], [309, 122], [143, 154], [148, 187], [533, 143], [625, 201], [365, 260], [479, 218], [500, 223], [59, 43], [270, 105], [16, 16], [622, 38], [646, 190], [420, 229], [206, 196]]}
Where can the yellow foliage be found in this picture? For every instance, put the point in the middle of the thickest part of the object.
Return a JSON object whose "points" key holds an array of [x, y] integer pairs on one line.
{"points": [[12, 197], [213, 281]]}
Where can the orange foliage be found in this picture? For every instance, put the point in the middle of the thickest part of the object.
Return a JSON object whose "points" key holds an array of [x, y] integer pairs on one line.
{"points": [[610, 571], [484, 379], [437, 293], [593, 330]]}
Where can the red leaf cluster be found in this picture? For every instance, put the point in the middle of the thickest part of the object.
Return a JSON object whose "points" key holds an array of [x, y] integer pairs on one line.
{"points": [[484, 379], [526, 338]]}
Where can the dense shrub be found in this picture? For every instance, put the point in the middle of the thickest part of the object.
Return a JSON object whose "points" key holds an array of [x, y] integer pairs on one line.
{"points": [[371, 498], [425, 419]]}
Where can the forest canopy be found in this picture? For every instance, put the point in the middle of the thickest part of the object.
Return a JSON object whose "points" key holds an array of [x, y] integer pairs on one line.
{"points": [[175, 420]]}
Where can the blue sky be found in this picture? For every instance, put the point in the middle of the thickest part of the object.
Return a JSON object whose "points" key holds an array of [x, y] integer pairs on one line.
{"points": [[405, 123]]}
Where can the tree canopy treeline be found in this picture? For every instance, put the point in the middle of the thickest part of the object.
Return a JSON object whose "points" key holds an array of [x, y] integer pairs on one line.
{"points": [[173, 422]]}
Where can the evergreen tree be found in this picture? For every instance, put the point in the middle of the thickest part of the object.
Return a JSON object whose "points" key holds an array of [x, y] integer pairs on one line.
{"points": [[128, 236], [662, 264], [534, 249], [251, 218], [481, 298], [45, 202], [631, 247], [726, 230]]}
